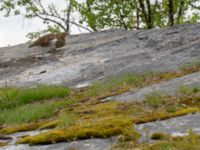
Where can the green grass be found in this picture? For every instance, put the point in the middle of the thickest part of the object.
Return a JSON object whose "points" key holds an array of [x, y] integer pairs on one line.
{"points": [[31, 112], [154, 99], [190, 67], [13, 97], [66, 119], [113, 83], [186, 90], [190, 142]]}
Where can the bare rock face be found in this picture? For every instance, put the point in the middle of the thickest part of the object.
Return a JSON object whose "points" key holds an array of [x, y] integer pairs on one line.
{"points": [[95, 56]]}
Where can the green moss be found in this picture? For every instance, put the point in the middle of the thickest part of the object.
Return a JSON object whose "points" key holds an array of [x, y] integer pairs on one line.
{"points": [[50, 125], [162, 115], [101, 129], [23, 127]]}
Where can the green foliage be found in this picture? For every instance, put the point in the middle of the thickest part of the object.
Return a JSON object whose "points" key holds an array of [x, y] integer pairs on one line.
{"points": [[101, 14], [50, 29], [12, 97], [138, 14]]}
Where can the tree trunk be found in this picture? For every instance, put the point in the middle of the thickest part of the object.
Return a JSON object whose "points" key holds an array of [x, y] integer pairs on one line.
{"points": [[171, 12], [180, 12], [69, 9], [150, 15]]}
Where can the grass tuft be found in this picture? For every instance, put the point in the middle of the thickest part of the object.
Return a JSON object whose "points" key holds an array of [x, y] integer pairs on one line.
{"points": [[158, 136], [154, 99], [32, 112], [190, 142], [12, 97]]}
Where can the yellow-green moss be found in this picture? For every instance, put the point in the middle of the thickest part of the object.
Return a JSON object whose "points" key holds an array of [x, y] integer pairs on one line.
{"points": [[101, 129], [23, 127], [2, 144], [154, 116], [50, 125]]}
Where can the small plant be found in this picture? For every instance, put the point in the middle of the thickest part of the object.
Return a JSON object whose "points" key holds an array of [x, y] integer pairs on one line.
{"points": [[114, 84], [171, 109], [154, 99], [158, 136], [190, 67], [186, 90], [66, 119]]}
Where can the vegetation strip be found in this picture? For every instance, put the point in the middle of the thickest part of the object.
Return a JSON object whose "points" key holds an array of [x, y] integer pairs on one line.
{"points": [[11, 97], [74, 117], [23, 127], [84, 121], [121, 84], [162, 141]]}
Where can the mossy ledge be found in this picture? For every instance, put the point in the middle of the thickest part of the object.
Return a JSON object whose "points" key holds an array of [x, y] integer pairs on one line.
{"points": [[28, 127], [106, 127], [164, 115]]}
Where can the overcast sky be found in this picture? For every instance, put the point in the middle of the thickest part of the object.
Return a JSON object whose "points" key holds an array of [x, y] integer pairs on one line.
{"points": [[14, 29]]}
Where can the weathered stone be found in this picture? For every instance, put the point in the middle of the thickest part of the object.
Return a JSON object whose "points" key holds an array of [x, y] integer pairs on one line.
{"points": [[95, 56], [178, 126]]}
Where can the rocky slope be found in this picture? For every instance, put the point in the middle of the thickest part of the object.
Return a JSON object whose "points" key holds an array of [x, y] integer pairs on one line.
{"points": [[95, 56], [98, 56]]}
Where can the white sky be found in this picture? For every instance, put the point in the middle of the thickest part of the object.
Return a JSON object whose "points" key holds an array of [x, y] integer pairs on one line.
{"points": [[14, 29]]}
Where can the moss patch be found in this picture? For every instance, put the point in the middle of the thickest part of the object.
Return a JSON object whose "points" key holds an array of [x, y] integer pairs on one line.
{"points": [[103, 128], [24, 127], [162, 115], [2, 144], [80, 115]]}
